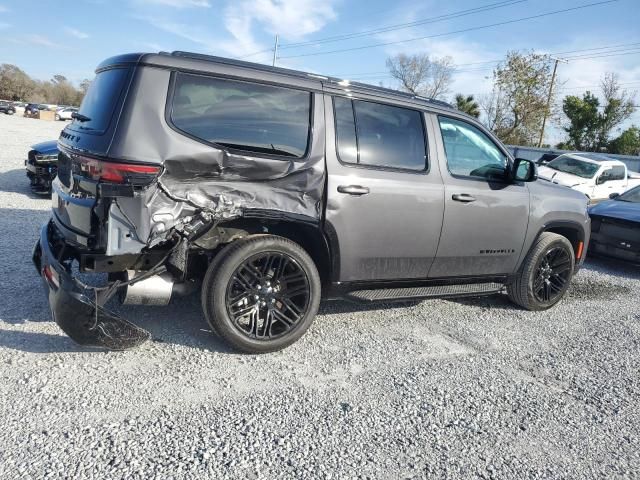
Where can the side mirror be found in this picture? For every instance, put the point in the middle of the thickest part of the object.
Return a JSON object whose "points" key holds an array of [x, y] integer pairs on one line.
{"points": [[614, 195], [524, 170]]}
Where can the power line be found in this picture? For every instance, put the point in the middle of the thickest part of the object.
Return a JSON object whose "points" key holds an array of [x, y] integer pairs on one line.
{"points": [[401, 26], [385, 73], [507, 22]]}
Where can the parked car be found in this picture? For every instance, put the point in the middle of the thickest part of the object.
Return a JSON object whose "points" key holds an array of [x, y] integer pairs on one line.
{"points": [[42, 166], [65, 113], [7, 108], [181, 169], [616, 226], [597, 176], [32, 108]]}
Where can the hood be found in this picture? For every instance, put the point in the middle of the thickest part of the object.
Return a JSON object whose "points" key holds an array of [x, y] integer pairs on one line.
{"points": [[561, 178], [617, 209], [46, 148]]}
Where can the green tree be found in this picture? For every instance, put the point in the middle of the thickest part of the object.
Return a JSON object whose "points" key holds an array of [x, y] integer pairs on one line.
{"points": [[584, 118], [628, 143], [467, 105], [518, 102], [591, 122]]}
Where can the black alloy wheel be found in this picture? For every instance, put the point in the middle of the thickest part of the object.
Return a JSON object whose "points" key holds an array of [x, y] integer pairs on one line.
{"points": [[267, 295], [545, 274], [261, 293], [553, 274]]}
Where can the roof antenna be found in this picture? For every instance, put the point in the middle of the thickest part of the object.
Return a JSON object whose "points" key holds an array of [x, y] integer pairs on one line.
{"points": [[275, 51]]}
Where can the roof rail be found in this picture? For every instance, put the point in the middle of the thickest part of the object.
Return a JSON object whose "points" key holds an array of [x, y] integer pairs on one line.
{"points": [[243, 63], [298, 73]]}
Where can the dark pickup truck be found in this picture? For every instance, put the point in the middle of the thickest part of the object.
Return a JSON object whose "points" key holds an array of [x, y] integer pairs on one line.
{"points": [[270, 189]]}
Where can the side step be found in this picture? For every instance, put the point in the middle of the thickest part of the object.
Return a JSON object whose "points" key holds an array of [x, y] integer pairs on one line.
{"points": [[419, 293]]}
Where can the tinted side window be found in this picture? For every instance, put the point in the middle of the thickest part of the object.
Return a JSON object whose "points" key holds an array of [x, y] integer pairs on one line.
{"points": [[617, 173], [345, 130], [470, 152], [384, 135], [247, 116]]}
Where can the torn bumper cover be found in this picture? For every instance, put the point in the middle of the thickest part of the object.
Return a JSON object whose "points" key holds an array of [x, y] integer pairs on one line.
{"points": [[74, 305]]}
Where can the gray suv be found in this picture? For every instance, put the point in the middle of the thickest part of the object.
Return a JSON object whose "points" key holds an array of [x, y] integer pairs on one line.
{"points": [[269, 189]]}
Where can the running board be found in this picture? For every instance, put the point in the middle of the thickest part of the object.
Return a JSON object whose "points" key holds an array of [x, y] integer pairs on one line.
{"points": [[420, 293]]}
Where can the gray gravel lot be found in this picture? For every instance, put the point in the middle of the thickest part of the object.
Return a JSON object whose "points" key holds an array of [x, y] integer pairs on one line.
{"points": [[441, 389]]}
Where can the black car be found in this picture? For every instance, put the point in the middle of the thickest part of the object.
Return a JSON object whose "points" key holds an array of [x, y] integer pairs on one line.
{"points": [[615, 226], [7, 108], [42, 166]]}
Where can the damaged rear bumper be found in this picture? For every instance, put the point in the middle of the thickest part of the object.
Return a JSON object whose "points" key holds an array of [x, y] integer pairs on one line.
{"points": [[76, 307]]}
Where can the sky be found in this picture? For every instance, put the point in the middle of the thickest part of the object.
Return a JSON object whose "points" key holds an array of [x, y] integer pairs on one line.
{"points": [[70, 37]]}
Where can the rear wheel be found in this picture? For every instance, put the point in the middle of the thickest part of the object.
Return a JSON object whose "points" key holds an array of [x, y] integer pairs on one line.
{"points": [[58, 117], [261, 293], [545, 274]]}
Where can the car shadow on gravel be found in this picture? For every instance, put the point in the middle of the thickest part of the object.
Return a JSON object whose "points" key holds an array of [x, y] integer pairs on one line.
{"points": [[496, 301], [16, 181], [612, 266], [36, 342]]}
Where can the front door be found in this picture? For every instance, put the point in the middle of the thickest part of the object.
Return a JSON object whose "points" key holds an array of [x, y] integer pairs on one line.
{"points": [[485, 219], [385, 196]]}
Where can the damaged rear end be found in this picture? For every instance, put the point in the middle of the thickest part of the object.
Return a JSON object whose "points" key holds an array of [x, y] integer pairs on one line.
{"points": [[147, 205]]}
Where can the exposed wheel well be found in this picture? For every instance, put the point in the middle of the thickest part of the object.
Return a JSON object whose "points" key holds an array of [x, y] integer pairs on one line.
{"points": [[570, 233], [308, 236]]}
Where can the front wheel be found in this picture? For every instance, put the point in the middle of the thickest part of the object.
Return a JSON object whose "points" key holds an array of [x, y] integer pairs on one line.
{"points": [[261, 293], [58, 118], [545, 274]]}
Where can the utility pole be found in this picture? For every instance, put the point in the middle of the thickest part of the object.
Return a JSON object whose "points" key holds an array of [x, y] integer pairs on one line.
{"points": [[275, 51], [553, 81]]}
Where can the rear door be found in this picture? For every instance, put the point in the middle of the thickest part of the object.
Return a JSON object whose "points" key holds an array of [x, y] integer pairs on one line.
{"points": [[485, 219], [384, 193]]}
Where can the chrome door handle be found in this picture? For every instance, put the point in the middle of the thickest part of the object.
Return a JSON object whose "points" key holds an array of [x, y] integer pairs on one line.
{"points": [[463, 197], [353, 189]]}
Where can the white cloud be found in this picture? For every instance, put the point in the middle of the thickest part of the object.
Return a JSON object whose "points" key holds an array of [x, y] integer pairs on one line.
{"points": [[3, 9], [4, 25], [292, 19], [76, 33], [178, 3], [41, 41]]}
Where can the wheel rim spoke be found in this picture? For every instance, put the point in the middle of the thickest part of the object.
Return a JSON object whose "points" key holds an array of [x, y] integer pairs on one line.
{"points": [[268, 295], [552, 275]]}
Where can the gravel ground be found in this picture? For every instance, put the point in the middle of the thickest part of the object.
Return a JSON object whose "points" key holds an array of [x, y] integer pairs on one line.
{"points": [[442, 389]]}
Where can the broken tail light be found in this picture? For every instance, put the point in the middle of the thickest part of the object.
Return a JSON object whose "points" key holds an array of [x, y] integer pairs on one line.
{"points": [[116, 172]]}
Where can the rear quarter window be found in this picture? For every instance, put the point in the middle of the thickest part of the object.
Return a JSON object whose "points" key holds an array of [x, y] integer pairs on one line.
{"points": [[247, 116], [101, 100]]}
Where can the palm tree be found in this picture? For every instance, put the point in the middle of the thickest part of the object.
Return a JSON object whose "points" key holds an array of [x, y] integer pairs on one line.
{"points": [[467, 105]]}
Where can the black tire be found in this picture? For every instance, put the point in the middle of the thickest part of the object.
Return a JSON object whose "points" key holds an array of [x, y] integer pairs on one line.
{"points": [[545, 274], [269, 319], [57, 118]]}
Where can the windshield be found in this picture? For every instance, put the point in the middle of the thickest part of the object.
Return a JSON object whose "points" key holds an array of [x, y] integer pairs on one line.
{"points": [[574, 167], [100, 101], [632, 196]]}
